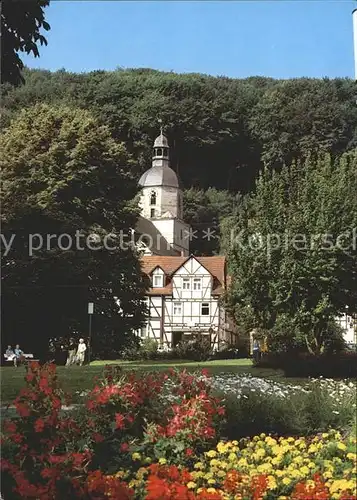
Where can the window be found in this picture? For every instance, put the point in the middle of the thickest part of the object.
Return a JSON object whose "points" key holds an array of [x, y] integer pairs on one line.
{"points": [[177, 308], [181, 235], [165, 153], [159, 152], [152, 212], [197, 283], [153, 198], [205, 309], [185, 283], [158, 281]]}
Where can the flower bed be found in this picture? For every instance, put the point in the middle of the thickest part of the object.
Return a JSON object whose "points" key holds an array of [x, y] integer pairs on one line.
{"points": [[322, 467], [157, 435]]}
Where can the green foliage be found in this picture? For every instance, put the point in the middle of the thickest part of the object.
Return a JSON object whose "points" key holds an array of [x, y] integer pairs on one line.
{"points": [[21, 24], [63, 174], [205, 211], [195, 350], [293, 248], [300, 414], [218, 127]]}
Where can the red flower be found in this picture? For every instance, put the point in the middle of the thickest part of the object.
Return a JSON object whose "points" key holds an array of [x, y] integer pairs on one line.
{"points": [[119, 421], [189, 452], [39, 425], [10, 427], [124, 447], [22, 409], [98, 438]]}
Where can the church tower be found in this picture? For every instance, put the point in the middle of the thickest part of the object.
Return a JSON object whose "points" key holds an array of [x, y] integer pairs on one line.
{"points": [[161, 198]]}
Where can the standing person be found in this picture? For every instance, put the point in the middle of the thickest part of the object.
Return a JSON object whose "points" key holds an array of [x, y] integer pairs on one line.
{"points": [[71, 352], [81, 352], [18, 355], [256, 350]]}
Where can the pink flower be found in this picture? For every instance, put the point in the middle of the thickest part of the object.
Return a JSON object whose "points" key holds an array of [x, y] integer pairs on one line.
{"points": [[119, 421]]}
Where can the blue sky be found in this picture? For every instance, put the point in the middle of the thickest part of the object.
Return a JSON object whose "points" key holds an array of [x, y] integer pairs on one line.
{"points": [[280, 38]]}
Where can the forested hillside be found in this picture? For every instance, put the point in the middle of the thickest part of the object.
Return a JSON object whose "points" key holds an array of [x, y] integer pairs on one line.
{"points": [[220, 129]]}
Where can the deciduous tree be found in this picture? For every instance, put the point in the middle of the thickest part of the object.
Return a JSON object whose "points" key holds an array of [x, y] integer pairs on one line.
{"points": [[295, 248], [66, 187]]}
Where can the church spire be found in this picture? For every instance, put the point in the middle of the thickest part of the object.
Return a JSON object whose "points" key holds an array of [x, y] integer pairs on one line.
{"points": [[161, 149]]}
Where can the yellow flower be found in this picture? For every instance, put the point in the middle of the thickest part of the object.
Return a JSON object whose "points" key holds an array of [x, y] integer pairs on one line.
{"points": [[191, 485], [221, 447], [232, 457], [263, 468], [242, 462], [276, 450], [286, 481], [198, 465], [211, 481], [211, 453], [271, 483], [162, 461], [341, 446], [136, 456], [211, 490], [351, 456], [305, 470]]}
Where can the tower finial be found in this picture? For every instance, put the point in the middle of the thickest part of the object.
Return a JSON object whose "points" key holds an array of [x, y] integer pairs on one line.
{"points": [[161, 127]]}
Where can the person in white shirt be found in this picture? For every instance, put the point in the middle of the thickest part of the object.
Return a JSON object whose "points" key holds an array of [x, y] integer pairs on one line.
{"points": [[81, 352]]}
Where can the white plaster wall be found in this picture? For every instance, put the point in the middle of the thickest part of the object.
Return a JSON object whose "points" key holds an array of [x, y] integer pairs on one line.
{"points": [[349, 327]]}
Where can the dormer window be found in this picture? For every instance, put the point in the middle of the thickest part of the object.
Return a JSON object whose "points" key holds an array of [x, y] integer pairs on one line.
{"points": [[153, 198], [158, 281], [158, 278]]}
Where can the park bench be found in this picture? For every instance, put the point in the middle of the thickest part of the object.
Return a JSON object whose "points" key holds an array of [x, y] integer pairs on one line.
{"points": [[26, 358]]}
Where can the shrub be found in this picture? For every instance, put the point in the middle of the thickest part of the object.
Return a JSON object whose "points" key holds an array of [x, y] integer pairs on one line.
{"points": [[149, 349], [339, 365], [195, 350], [143, 349]]}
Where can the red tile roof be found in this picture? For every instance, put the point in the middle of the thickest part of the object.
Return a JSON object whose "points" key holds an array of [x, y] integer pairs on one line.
{"points": [[215, 265]]}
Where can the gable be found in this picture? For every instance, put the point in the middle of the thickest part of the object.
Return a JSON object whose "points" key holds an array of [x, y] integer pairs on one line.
{"points": [[192, 266], [215, 266]]}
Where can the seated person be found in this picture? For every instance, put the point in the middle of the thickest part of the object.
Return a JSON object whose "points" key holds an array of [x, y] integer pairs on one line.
{"points": [[9, 354], [19, 354]]}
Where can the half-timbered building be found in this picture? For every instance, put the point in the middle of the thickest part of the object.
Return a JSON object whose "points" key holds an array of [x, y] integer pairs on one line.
{"points": [[184, 300], [184, 295]]}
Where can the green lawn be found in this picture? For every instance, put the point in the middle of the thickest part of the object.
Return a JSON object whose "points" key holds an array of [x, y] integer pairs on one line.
{"points": [[78, 378]]}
